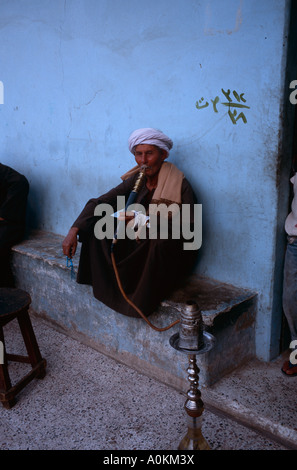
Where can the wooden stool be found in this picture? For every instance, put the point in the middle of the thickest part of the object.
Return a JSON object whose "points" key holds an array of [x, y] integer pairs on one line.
{"points": [[14, 303]]}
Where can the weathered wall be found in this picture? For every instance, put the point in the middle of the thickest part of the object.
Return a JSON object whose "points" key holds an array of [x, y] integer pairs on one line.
{"points": [[79, 76]]}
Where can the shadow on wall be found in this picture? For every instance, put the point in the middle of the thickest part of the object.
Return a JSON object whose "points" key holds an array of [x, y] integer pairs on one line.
{"points": [[34, 209]]}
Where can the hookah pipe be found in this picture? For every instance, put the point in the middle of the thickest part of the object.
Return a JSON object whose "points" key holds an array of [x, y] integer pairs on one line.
{"points": [[131, 199], [189, 340]]}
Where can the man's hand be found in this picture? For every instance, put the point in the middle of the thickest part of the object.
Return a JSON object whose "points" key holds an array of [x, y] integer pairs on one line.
{"points": [[69, 244]]}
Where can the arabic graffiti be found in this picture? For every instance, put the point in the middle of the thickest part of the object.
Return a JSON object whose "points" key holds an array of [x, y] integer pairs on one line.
{"points": [[232, 111]]}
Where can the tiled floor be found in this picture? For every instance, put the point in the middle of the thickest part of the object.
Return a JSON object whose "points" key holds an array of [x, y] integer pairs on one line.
{"points": [[88, 401]]}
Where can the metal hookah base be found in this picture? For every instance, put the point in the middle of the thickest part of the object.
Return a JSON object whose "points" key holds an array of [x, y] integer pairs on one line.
{"points": [[194, 439], [207, 345], [194, 407]]}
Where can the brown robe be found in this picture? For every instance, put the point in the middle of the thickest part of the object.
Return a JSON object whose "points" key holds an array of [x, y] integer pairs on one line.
{"points": [[149, 269], [14, 189]]}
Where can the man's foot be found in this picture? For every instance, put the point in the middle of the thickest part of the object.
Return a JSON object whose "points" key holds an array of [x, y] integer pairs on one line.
{"points": [[289, 369]]}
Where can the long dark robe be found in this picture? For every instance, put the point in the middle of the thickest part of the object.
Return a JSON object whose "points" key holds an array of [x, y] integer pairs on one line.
{"points": [[14, 189], [149, 269]]}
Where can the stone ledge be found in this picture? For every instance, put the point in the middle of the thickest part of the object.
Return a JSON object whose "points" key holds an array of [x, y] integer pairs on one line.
{"points": [[228, 313], [214, 298]]}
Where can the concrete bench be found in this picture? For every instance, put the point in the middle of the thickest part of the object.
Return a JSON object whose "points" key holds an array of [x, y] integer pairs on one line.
{"points": [[228, 313]]}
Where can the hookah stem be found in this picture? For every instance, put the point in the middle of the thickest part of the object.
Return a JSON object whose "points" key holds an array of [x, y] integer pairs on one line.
{"points": [[131, 199]]}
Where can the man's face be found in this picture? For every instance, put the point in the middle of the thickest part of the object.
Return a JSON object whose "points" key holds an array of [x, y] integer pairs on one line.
{"points": [[151, 156]]}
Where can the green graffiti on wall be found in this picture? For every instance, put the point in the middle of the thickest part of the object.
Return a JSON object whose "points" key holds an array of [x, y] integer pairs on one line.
{"points": [[232, 105]]}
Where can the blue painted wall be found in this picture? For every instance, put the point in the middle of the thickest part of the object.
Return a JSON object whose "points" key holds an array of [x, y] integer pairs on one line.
{"points": [[80, 75]]}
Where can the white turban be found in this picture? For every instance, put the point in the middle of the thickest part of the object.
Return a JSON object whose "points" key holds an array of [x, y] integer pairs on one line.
{"points": [[149, 136]]}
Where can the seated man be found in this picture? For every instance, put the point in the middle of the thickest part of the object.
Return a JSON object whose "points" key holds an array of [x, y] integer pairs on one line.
{"points": [[148, 267], [14, 189], [289, 367]]}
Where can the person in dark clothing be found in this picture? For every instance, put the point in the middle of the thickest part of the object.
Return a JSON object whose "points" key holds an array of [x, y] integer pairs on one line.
{"points": [[14, 189], [289, 367], [149, 268]]}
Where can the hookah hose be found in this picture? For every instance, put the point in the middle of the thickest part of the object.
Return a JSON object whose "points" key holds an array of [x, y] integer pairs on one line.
{"points": [[133, 305], [131, 199]]}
